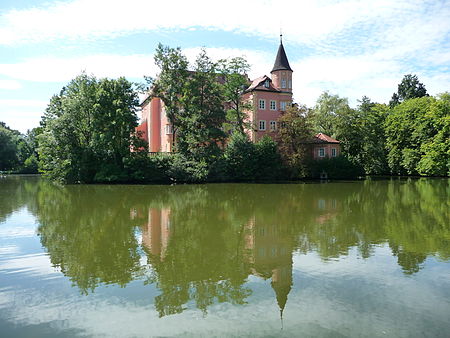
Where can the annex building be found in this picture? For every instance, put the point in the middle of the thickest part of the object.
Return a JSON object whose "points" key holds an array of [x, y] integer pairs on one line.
{"points": [[269, 96]]}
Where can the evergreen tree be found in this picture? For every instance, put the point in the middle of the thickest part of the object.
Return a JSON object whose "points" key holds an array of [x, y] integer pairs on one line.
{"points": [[409, 88]]}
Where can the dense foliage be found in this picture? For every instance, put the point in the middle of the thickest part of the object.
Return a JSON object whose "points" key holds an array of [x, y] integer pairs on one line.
{"points": [[17, 151], [88, 130], [418, 137]]}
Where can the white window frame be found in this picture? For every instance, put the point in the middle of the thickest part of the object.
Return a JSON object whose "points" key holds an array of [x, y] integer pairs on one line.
{"points": [[283, 83], [333, 152], [273, 105], [321, 152], [262, 124], [273, 125], [168, 129], [262, 104], [282, 105], [267, 84]]}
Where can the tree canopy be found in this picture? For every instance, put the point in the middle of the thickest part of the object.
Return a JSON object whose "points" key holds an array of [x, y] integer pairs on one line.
{"points": [[88, 130]]}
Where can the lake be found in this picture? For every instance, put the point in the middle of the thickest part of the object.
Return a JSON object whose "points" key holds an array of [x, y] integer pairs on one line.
{"points": [[361, 259]]}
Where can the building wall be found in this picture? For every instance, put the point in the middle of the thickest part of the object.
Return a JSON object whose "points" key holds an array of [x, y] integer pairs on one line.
{"points": [[267, 114], [327, 149], [278, 77]]}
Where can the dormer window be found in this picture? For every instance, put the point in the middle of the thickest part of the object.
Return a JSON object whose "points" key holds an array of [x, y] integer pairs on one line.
{"points": [[266, 83]]}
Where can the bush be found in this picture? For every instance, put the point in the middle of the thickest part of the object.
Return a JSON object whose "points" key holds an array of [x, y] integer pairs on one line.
{"points": [[268, 161], [142, 168], [335, 168], [240, 158], [182, 170]]}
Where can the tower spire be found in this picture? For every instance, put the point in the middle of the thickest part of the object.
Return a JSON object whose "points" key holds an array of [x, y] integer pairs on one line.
{"points": [[281, 61]]}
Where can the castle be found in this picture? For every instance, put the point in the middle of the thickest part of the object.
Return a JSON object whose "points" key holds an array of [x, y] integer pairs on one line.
{"points": [[269, 96]]}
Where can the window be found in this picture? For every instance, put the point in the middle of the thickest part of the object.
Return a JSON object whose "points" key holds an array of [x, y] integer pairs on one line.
{"points": [[168, 129], [321, 152], [333, 152], [273, 125], [266, 83], [262, 125], [283, 83], [290, 84], [273, 105], [262, 104], [282, 105]]}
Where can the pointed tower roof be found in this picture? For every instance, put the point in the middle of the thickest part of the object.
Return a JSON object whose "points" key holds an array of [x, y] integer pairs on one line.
{"points": [[281, 61]]}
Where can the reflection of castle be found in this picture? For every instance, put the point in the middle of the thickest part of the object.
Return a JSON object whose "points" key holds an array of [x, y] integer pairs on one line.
{"points": [[267, 250], [156, 230], [270, 253]]}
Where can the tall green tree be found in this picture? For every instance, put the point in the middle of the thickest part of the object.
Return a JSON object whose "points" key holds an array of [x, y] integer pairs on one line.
{"points": [[88, 130], [235, 81], [203, 115], [435, 159], [327, 112], [294, 134], [171, 82], [418, 135], [409, 88], [373, 157]]}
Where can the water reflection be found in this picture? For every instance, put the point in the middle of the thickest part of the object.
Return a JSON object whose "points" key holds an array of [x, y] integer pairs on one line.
{"points": [[201, 243]]}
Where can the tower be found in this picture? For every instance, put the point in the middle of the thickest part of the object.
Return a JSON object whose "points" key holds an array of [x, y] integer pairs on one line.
{"points": [[282, 71]]}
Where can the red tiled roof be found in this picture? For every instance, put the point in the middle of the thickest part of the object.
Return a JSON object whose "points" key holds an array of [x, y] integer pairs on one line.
{"points": [[258, 83], [322, 138]]}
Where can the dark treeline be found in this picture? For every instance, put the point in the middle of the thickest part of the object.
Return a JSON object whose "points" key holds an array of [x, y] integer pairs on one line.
{"points": [[87, 133], [18, 152]]}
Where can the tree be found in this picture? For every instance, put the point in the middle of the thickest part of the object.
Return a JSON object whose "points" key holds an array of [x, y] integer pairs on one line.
{"points": [[409, 88], [293, 137], [435, 160], [170, 82], [417, 132], [88, 130], [235, 81], [202, 116], [8, 149], [16, 151], [326, 113]]}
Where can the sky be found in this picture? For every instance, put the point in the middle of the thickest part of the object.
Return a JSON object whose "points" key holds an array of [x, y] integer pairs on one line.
{"points": [[350, 48]]}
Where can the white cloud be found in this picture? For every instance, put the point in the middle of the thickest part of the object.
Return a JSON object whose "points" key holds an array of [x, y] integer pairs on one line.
{"points": [[52, 69], [352, 48], [301, 21], [10, 84]]}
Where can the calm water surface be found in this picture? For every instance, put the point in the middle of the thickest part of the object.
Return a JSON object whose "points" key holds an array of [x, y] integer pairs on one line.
{"points": [[358, 259]]}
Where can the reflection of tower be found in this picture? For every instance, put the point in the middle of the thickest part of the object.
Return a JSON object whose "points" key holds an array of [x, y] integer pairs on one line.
{"points": [[156, 233], [270, 252], [281, 284]]}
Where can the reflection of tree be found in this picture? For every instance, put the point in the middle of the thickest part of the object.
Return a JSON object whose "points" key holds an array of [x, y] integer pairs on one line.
{"points": [[203, 260], [87, 233], [16, 192], [205, 253]]}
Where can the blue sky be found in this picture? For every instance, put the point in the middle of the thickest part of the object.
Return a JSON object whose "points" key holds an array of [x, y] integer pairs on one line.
{"points": [[350, 48]]}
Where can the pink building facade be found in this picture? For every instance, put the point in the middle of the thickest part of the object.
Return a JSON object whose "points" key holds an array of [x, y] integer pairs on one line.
{"points": [[269, 97], [324, 146]]}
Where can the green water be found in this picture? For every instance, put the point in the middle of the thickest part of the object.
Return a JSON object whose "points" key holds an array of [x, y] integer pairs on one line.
{"points": [[358, 259]]}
